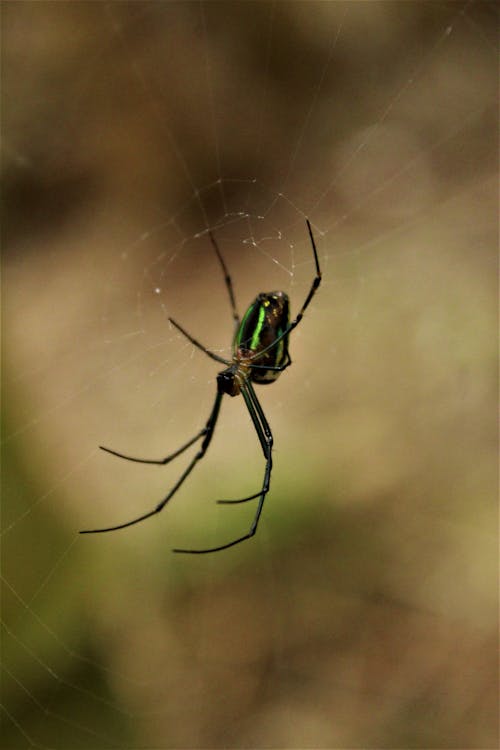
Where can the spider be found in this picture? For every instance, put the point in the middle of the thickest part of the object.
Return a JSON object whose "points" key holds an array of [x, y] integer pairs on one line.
{"points": [[260, 354]]}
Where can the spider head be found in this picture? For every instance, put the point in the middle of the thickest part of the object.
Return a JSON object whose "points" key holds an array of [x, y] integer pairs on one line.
{"points": [[228, 382]]}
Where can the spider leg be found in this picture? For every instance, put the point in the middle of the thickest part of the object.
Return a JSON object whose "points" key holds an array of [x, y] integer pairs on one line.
{"points": [[312, 291], [198, 345], [227, 279], [316, 280], [274, 368], [266, 440], [159, 461], [260, 424], [208, 432]]}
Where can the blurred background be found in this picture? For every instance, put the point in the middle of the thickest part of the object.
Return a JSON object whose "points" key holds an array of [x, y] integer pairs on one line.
{"points": [[364, 612]]}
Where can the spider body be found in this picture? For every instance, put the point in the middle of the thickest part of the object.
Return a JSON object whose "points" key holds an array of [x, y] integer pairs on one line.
{"points": [[265, 321], [260, 354]]}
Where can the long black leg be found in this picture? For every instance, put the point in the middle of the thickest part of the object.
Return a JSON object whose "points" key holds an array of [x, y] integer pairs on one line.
{"points": [[266, 440], [312, 292], [197, 344], [227, 280], [273, 368], [262, 428], [158, 461], [209, 431]]}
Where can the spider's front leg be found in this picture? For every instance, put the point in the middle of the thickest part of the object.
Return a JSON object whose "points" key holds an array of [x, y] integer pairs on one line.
{"points": [[158, 461], [266, 440], [265, 436], [208, 432]]}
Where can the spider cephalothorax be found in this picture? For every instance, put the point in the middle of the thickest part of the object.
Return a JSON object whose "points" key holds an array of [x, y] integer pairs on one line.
{"points": [[260, 354]]}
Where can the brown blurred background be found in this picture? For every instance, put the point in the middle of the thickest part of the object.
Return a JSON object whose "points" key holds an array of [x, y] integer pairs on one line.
{"points": [[364, 612]]}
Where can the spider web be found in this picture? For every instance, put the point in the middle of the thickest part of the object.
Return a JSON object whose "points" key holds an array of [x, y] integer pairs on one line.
{"points": [[131, 131]]}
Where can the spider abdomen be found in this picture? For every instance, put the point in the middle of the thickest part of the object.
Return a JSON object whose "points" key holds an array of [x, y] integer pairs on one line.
{"points": [[264, 321]]}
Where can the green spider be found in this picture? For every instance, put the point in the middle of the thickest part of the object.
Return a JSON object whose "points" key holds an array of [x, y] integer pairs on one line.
{"points": [[260, 354]]}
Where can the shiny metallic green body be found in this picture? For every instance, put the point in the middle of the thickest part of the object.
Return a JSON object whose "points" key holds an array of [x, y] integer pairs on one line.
{"points": [[266, 319]]}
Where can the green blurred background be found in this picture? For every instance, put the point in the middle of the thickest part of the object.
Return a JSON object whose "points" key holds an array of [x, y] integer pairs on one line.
{"points": [[364, 613]]}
